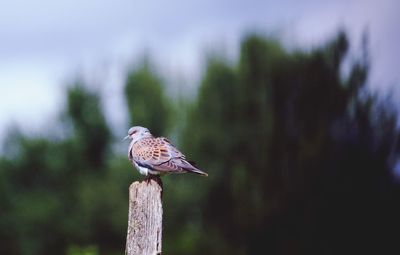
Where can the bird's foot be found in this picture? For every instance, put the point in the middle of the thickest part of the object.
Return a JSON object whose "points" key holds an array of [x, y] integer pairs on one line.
{"points": [[155, 178]]}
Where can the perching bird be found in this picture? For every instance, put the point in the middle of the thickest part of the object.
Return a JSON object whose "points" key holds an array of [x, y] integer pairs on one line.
{"points": [[156, 155]]}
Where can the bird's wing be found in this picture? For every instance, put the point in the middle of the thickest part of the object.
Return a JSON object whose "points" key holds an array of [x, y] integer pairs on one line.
{"points": [[156, 153], [160, 155], [175, 153]]}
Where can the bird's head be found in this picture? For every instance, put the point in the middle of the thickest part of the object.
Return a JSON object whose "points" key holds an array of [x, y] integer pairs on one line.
{"points": [[136, 133]]}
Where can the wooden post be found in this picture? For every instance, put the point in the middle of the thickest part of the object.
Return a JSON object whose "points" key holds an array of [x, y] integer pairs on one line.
{"points": [[144, 218]]}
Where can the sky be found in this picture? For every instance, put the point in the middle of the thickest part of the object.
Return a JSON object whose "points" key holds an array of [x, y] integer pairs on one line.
{"points": [[44, 45]]}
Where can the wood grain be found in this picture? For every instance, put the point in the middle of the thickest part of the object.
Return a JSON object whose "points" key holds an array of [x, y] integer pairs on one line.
{"points": [[145, 218]]}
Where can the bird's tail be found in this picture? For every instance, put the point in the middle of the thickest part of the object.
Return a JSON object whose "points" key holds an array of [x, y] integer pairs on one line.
{"points": [[198, 171], [191, 168]]}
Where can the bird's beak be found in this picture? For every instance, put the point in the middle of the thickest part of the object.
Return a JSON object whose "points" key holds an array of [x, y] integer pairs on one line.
{"points": [[126, 137]]}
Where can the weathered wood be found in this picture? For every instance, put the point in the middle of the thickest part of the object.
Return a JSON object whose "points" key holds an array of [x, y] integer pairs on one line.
{"points": [[145, 218]]}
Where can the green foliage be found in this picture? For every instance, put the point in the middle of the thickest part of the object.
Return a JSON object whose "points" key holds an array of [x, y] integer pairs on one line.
{"points": [[299, 161], [146, 101], [288, 145], [61, 194], [89, 250], [91, 130]]}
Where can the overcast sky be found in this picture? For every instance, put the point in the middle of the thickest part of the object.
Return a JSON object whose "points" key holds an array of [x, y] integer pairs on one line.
{"points": [[43, 44]]}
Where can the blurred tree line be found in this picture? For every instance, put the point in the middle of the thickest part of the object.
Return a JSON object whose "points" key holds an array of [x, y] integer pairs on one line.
{"points": [[300, 159]]}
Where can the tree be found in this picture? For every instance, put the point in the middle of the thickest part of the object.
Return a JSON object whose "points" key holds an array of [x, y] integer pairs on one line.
{"points": [[147, 104], [92, 132], [290, 145]]}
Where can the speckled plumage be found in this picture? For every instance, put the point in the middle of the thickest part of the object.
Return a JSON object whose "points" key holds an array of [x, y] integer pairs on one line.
{"points": [[156, 155]]}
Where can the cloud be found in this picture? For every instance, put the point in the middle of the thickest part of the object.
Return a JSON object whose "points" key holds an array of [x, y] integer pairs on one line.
{"points": [[45, 41]]}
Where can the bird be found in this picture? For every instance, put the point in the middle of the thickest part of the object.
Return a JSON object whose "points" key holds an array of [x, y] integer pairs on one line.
{"points": [[157, 156]]}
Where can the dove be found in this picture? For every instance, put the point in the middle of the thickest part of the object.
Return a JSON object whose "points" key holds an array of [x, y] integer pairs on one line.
{"points": [[156, 155]]}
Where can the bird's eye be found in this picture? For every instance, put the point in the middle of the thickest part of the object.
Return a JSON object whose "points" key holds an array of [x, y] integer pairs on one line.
{"points": [[134, 132]]}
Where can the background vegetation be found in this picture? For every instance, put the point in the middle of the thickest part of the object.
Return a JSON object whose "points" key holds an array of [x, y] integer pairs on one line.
{"points": [[300, 160]]}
